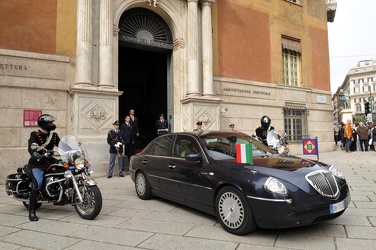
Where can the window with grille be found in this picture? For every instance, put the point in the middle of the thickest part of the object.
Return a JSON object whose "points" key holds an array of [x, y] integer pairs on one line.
{"points": [[358, 109], [295, 118], [291, 57]]}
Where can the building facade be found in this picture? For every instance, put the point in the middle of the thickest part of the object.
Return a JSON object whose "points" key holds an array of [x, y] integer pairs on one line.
{"points": [[87, 62], [356, 92]]}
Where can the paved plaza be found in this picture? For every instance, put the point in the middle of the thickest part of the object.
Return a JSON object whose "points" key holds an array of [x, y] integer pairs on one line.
{"points": [[126, 222]]}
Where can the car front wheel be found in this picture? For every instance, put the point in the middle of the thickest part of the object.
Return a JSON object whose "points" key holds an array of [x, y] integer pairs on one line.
{"points": [[233, 211]]}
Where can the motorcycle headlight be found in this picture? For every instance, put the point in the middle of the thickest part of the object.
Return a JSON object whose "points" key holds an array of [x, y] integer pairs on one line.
{"points": [[79, 164], [275, 186], [281, 149], [68, 174], [336, 172]]}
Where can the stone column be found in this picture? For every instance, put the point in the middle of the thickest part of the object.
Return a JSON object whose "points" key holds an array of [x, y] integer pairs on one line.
{"points": [[192, 48], [207, 48], [84, 42], [105, 45]]}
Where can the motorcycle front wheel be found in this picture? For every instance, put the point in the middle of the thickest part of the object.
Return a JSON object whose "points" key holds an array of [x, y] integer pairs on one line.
{"points": [[92, 202]]}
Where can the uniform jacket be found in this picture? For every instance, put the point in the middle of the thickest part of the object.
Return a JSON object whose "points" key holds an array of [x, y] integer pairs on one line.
{"points": [[41, 138], [114, 137], [161, 124]]}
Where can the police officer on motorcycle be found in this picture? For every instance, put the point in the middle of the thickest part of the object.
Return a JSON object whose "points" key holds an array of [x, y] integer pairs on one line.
{"points": [[37, 165], [262, 131]]}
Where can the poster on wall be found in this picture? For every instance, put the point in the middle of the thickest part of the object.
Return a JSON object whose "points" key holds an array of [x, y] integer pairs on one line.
{"points": [[30, 118]]}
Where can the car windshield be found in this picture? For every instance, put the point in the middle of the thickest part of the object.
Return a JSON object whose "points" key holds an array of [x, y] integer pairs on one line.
{"points": [[223, 146]]}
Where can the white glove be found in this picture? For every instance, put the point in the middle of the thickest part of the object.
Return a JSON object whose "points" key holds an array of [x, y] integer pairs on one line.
{"points": [[118, 144]]}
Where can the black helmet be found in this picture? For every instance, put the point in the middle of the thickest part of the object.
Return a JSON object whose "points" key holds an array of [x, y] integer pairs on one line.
{"points": [[265, 121], [43, 121]]}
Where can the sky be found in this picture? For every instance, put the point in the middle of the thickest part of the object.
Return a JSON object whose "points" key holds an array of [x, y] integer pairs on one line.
{"points": [[352, 37]]}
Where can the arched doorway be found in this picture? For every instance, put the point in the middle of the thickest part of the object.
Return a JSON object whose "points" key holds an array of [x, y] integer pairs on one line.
{"points": [[145, 49]]}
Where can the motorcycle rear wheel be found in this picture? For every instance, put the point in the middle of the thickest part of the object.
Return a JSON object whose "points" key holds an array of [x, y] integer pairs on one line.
{"points": [[92, 204], [26, 204]]}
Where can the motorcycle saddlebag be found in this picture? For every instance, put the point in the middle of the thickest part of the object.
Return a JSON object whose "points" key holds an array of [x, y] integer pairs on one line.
{"points": [[16, 184]]}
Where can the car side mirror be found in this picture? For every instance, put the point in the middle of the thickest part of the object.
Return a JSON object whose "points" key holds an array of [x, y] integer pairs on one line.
{"points": [[193, 157]]}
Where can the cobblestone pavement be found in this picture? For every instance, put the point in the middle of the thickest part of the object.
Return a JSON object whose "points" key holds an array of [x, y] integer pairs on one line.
{"points": [[127, 222]]}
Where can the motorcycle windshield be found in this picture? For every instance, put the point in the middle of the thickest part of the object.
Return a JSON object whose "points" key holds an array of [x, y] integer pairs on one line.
{"points": [[273, 139], [71, 148]]}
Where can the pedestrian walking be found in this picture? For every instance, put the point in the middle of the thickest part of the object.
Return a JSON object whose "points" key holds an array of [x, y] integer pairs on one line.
{"points": [[362, 132], [342, 136], [348, 136], [336, 129]]}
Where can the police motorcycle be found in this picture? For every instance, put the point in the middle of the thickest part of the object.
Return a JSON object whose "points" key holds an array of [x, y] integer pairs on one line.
{"points": [[66, 181], [277, 143]]}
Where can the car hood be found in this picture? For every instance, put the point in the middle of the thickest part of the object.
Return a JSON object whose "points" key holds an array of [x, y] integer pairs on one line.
{"points": [[287, 168]]}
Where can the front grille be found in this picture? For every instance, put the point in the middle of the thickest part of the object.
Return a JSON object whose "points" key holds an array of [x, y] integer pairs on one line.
{"points": [[324, 182]]}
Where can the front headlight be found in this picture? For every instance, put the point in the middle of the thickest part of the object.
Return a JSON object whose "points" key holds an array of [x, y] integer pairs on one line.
{"points": [[336, 172], [275, 186], [68, 174], [79, 164]]}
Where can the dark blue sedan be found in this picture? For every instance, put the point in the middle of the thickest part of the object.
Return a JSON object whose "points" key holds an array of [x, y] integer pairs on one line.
{"points": [[200, 170]]}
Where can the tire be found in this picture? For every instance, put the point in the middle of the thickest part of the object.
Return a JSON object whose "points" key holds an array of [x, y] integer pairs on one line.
{"points": [[142, 186], [233, 211], [92, 204], [26, 204]]}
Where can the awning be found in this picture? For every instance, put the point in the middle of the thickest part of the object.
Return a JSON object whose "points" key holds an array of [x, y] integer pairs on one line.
{"points": [[291, 45], [295, 107]]}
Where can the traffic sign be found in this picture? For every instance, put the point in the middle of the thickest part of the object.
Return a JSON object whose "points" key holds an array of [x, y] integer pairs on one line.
{"points": [[310, 146]]}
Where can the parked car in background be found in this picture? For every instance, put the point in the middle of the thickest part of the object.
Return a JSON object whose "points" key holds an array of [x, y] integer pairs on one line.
{"points": [[200, 170]]}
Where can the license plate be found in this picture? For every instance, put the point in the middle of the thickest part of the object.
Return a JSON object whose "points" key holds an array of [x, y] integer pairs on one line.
{"points": [[337, 207]]}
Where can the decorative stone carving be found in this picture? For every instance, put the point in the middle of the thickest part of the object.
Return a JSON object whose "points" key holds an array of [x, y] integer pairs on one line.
{"points": [[97, 114]]}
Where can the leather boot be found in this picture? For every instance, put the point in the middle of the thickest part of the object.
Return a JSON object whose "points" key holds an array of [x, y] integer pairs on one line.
{"points": [[32, 205]]}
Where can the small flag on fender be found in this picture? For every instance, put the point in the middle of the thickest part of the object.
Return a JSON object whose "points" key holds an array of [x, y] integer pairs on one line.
{"points": [[244, 153]]}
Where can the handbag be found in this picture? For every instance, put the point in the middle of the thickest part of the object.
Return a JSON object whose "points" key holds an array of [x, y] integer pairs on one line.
{"points": [[370, 142]]}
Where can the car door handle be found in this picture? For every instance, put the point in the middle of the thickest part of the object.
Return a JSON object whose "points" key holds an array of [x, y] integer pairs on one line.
{"points": [[171, 166], [145, 162]]}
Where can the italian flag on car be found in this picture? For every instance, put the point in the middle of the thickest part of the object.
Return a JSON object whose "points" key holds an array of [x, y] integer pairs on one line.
{"points": [[244, 153]]}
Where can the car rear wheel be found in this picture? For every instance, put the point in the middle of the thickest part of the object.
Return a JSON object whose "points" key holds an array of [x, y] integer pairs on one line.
{"points": [[233, 211], [142, 186]]}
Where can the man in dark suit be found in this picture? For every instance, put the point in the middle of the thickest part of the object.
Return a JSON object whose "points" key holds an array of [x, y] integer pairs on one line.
{"points": [[128, 139], [134, 124]]}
